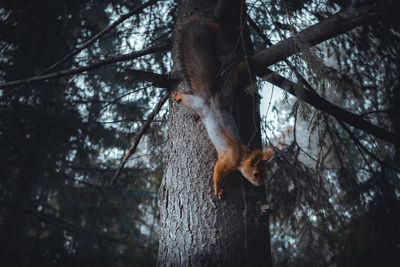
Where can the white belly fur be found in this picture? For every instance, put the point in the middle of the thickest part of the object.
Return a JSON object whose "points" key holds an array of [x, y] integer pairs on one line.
{"points": [[214, 121]]}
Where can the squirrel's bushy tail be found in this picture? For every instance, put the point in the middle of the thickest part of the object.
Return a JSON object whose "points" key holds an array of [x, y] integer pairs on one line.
{"points": [[198, 54]]}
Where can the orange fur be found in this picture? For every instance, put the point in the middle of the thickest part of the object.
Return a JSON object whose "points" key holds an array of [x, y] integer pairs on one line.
{"points": [[239, 158]]}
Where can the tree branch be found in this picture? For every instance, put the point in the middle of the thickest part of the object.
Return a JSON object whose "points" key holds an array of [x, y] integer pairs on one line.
{"points": [[100, 34], [345, 22], [110, 60], [70, 227], [339, 113], [158, 80], [62, 224], [363, 148], [145, 126], [342, 22]]}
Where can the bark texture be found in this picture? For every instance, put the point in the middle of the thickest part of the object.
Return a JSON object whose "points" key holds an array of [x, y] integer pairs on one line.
{"points": [[197, 229]]}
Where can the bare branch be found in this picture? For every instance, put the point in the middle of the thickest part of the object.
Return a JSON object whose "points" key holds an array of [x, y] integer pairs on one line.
{"points": [[254, 25], [158, 80], [145, 126], [116, 121], [100, 34], [110, 60]]}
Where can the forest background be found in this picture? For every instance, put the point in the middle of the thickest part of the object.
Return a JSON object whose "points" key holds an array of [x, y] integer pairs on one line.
{"points": [[82, 84]]}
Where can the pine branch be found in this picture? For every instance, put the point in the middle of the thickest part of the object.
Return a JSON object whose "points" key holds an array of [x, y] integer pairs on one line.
{"points": [[287, 62], [363, 148], [320, 103], [145, 126], [342, 22], [110, 60], [100, 34], [62, 224], [309, 95], [70, 227]]}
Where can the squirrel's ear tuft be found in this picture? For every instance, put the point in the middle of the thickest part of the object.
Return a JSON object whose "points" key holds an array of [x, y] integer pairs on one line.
{"points": [[267, 154]]}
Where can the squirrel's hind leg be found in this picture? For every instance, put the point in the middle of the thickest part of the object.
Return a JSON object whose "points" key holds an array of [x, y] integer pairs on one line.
{"points": [[192, 101], [176, 97]]}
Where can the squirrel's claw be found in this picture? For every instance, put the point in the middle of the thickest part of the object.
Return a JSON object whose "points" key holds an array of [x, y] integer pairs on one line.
{"points": [[219, 193], [176, 97]]}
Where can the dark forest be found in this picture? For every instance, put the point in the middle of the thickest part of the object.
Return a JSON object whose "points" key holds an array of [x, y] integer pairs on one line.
{"points": [[99, 167]]}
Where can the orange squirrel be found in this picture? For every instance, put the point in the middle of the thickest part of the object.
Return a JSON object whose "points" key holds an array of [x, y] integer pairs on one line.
{"points": [[197, 54]]}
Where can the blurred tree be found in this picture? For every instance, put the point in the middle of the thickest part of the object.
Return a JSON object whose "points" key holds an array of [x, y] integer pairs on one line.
{"points": [[61, 139]]}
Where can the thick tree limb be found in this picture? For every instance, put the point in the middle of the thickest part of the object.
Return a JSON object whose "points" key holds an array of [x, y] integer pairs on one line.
{"points": [[100, 34], [339, 113], [158, 80], [337, 24], [145, 126], [110, 60]]}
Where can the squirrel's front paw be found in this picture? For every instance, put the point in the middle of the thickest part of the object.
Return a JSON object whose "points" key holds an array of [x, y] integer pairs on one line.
{"points": [[176, 97], [219, 193]]}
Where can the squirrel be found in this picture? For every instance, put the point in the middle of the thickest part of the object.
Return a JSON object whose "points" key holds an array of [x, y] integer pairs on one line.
{"points": [[198, 57]]}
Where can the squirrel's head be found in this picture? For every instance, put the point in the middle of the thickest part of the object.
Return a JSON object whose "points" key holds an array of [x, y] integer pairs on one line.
{"points": [[250, 167]]}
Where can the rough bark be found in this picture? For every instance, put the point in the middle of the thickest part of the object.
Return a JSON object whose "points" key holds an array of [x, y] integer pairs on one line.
{"points": [[197, 229]]}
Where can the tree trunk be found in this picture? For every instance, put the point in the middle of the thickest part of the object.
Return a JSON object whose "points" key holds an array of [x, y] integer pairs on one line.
{"points": [[196, 228]]}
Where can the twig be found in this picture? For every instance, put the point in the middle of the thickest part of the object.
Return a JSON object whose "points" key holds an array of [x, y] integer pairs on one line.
{"points": [[145, 126], [110, 60], [363, 148], [107, 122], [254, 25], [287, 62], [377, 111]]}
